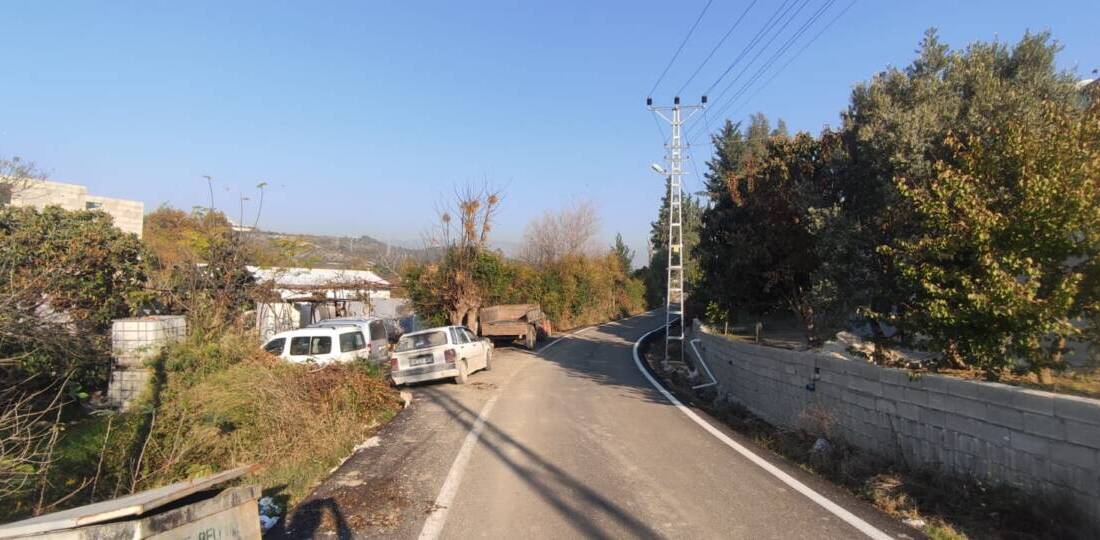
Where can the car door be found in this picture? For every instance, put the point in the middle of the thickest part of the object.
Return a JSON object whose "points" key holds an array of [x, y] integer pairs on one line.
{"points": [[462, 345], [379, 341], [477, 348]]}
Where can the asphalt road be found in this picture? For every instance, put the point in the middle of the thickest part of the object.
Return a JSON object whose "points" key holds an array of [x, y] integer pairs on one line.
{"points": [[569, 442]]}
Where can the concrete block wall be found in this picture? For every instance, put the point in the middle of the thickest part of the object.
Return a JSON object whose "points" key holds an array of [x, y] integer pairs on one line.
{"points": [[133, 342], [1039, 441], [128, 215]]}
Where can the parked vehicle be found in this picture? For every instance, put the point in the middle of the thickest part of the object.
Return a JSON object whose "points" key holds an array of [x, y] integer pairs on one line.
{"points": [[374, 331], [513, 322], [439, 353], [322, 345]]}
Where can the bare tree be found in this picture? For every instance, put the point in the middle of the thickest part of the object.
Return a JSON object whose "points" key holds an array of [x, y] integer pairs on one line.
{"points": [[461, 235], [554, 235], [28, 432], [17, 176]]}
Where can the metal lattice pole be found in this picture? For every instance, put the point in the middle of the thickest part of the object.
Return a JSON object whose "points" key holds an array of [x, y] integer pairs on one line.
{"points": [[675, 295]]}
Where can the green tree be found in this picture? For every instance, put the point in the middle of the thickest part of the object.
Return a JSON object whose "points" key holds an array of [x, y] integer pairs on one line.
{"points": [[1010, 230], [623, 252], [720, 280], [63, 275], [897, 126], [89, 269], [201, 266]]}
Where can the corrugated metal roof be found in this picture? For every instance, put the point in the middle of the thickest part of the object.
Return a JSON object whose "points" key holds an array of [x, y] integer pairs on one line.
{"points": [[128, 506]]}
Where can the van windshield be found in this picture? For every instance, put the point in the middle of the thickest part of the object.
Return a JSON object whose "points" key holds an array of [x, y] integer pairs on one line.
{"points": [[421, 341]]}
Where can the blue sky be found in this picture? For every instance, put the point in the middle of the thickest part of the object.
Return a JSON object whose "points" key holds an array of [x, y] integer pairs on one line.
{"points": [[362, 115]]}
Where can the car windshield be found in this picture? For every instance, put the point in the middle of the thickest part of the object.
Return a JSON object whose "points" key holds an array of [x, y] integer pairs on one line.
{"points": [[421, 341]]}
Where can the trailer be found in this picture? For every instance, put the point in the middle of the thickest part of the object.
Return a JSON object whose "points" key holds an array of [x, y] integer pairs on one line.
{"points": [[514, 322]]}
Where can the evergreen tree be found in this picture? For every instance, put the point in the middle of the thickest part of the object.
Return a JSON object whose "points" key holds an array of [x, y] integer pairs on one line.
{"points": [[623, 252], [691, 209]]}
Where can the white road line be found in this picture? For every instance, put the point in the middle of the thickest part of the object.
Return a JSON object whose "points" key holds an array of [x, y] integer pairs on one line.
{"points": [[850, 518], [433, 526]]}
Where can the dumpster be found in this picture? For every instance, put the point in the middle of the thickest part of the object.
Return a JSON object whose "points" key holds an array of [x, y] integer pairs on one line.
{"points": [[193, 509]]}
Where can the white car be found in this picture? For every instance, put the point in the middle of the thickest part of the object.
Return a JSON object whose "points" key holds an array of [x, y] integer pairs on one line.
{"points": [[440, 353], [374, 331], [320, 345]]}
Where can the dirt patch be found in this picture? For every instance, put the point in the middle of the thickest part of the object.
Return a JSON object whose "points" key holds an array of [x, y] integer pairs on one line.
{"points": [[376, 505], [483, 385]]}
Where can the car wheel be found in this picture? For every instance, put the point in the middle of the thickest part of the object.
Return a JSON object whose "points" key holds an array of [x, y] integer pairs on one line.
{"points": [[488, 359], [463, 373]]}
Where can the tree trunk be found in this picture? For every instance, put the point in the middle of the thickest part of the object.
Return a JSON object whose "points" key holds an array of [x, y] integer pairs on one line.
{"points": [[471, 319]]}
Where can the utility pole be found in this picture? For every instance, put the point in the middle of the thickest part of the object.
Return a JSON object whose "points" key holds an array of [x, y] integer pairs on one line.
{"points": [[675, 297]]}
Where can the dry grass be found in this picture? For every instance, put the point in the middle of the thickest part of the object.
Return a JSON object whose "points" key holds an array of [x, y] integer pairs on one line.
{"points": [[219, 402], [294, 421]]}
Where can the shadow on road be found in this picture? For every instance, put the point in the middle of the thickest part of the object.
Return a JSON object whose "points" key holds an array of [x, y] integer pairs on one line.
{"points": [[604, 355], [546, 479]]}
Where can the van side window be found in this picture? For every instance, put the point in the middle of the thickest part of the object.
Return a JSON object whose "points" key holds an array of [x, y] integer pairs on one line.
{"points": [[352, 341], [275, 346], [299, 345], [377, 330], [320, 345]]}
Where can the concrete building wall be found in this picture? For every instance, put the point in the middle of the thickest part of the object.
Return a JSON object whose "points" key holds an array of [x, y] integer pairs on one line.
{"points": [[128, 215], [1039, 441], [40, 194]]}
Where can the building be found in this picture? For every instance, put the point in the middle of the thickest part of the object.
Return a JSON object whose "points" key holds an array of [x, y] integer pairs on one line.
{"points": [[128, 215], [297, 297]]}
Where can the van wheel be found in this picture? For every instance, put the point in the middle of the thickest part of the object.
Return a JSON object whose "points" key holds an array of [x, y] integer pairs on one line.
{"points": [[463, 373], [489, 360]]}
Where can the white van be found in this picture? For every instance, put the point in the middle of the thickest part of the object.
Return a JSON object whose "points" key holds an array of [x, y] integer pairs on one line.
{"points": [[374, 331], [320, 345]]}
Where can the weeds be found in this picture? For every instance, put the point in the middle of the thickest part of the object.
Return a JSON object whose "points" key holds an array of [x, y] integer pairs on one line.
{"points": [[219, 402]]}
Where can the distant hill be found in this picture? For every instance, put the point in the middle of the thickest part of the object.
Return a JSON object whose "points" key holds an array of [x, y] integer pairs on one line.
{"points": [[353, 252]]}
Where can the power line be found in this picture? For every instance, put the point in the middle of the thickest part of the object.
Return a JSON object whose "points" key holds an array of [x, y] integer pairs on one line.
{"points": [[715, 49], [767, 64], [660, 130], [768, 24], [681, 47], [776, 34], [803, 49], [780, 51]]}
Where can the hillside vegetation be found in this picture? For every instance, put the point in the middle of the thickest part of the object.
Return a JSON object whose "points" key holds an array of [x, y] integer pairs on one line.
{"points": [[216, 401]]}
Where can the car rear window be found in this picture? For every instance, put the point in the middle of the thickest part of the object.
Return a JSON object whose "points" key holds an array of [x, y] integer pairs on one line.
{"points": [[377, 330], [303, 345], [421, 341], [352, 341]]}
